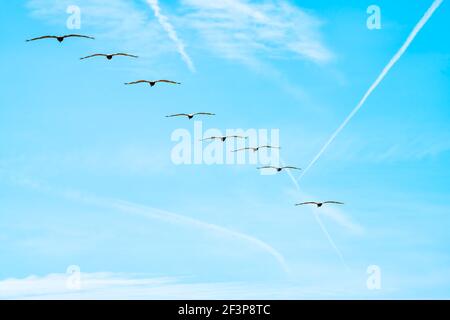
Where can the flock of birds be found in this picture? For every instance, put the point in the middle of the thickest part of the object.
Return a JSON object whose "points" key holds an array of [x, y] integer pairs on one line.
{"points": [[190, 116]]}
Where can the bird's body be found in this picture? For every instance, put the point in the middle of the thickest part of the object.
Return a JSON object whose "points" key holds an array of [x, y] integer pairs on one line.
{"points": [[152, 83], [318, 204], [61, 38], [190, 115], [279, 168], [223, 138], [109, 56], [256, 149]]}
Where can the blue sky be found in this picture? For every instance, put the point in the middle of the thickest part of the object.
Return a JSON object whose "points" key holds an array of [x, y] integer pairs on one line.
{"points": [[85, 162]]}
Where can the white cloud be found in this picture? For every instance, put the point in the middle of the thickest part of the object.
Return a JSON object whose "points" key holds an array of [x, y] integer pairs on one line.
{"points": [[105, 285], [154, 213], [122, 160], [406, 146], [123, 24], [242, 30], [246, 31]]}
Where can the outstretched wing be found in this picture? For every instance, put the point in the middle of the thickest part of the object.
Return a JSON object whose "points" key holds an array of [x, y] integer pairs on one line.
{"points": [[294, 168], [240, 137], [94, 55], [78, 36], [242, 149], [125, 55], [267, 167], [138, 81], [43, 37], [168, 81], [204, 113], [303, 203], [210, 138], [269, 147], [335, 202], [178, 115]]}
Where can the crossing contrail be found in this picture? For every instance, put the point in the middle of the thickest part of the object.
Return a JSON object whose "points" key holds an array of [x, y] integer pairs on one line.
{"points": [[385, 71], [322, 226]]}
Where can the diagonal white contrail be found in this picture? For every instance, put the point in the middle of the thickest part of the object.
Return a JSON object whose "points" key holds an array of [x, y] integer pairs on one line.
{"points": [[383, 73], [319, 221], [164, 22]]}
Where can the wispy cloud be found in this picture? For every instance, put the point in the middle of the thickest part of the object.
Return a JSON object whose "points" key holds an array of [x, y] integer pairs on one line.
{"points": [[242, 30], [106, 285], [120, 23], [153, 213], [406, 146], [168, 27], [249, 32], [428, 14], [130, 159]]}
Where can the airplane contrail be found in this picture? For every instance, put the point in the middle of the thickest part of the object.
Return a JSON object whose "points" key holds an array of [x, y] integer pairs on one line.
{"points": [[383, 73], [176, 218], [153, 213], [164, 22], [322, 226]]}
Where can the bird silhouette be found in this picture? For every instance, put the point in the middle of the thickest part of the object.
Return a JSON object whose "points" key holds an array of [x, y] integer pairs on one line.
{"points": [[318, 204], [109, 56], [152, 83], [61, 38], [255, 149], [279, 168], [223, 138], [190, 115]]}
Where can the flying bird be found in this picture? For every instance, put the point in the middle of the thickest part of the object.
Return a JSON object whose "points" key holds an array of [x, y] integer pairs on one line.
{"points": [[109, 56], [255, 149], [223, 138], [318, 204], [61, 38], [152, 83], [279, 168], [190, 115]]}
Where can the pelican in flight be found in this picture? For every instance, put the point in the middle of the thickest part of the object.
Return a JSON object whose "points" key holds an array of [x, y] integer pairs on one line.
{"points": [[318, 204], [109, 56], [151, 83], [223, 138], [279, 168], [256, 149], [190, 115], [61, 38]]}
